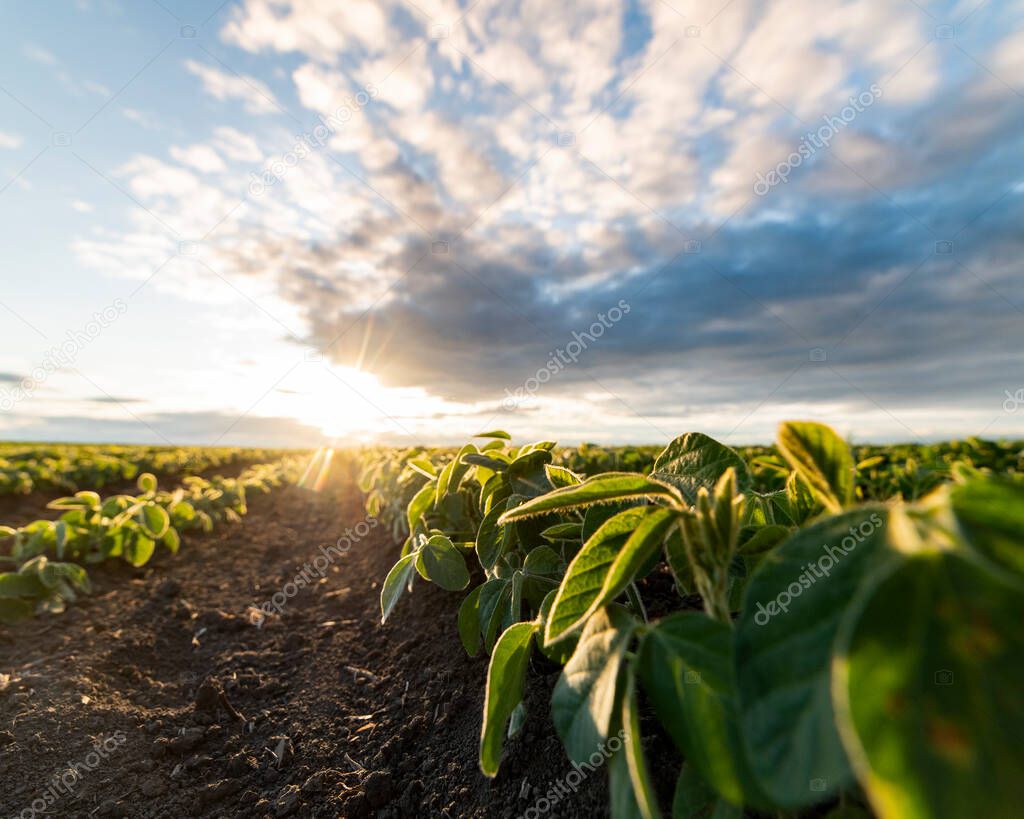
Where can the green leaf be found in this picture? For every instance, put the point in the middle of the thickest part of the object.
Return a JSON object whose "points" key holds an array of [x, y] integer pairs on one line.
{"points": [[563, 531], [494, 599], [610, 486], [622, 799], [685, 665], [494, 433], [679, 562], [394, 584], [154, 521], [927, 685], [583, 702], [424, 466], [696, 799], [527, 474], [441, 562], [14, 585], [643, 788], [542, 560], [791, 612], [694, 461], [823, 459], [469, 622], [147, 482], [505, 678], [990, 512], [139, 549], [420, 504], [490, 538], [559, 476], [493, 463], [172, 540], [605, 565]]}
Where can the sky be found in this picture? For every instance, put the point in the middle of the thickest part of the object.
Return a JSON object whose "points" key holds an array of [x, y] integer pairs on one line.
{"points": [[285, 222]]}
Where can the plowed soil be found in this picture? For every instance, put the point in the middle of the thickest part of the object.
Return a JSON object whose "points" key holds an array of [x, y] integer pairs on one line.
{"points": [[163, 695]]}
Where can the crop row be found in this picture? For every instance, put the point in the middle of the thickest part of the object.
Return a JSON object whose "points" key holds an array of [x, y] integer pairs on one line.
{"points": [[48, 557], [25, 468], [845, 637]]}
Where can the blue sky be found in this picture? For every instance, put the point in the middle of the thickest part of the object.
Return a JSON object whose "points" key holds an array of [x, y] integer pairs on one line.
{"points": [[274, 221]]}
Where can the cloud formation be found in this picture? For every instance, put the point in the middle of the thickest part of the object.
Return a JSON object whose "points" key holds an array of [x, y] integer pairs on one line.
{"points": [[524, 167]]}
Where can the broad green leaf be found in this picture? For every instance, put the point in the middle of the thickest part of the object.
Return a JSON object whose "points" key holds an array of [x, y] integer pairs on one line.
{"points": [[685, 666], [542, 560], [694, 461], [696, 799], [14, 585], [791, 612], [394, 584], [927, 685], [494, 599], [420, 504], [527, 475], [990, 512], [490, 539], [583, 702], [147, 482], [632, 739], [610, 486], [559, 476], [679, 562], [505, 677], [622, 799], [823, 459], [424, 466], [154, 521], [494, 433], [493, 463], [172, 540], [563, 531], [605, 565], [469, 622], [139, 549], [441, 562]]}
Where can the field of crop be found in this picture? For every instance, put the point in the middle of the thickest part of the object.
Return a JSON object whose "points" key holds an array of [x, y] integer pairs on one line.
{"points": [[801, 630]]}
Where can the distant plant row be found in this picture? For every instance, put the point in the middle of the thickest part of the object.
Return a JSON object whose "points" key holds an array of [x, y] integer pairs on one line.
{"points": [[48, 558]]}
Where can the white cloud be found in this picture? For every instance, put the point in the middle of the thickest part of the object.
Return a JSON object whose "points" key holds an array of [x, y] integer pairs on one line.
{"points": [[201, 157], [253, 93], [81, 207], [235, 145], [9, 141]]}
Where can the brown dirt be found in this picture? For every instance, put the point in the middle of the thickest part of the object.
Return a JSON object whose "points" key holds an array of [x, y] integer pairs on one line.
{"points": [[325, 712]]}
